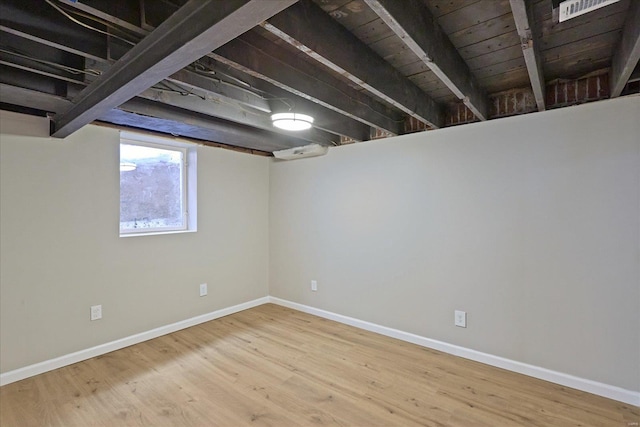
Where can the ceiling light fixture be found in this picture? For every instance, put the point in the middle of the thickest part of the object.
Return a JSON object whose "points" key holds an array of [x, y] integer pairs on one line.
{"points": [[292, 121]]}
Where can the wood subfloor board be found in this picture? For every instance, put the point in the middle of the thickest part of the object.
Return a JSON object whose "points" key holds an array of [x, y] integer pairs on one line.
{"points": [[274, 366]]}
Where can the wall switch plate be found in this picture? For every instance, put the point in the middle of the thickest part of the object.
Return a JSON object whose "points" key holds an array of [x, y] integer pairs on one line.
{"points": [[314, 285], [460, 318], [203, 289], [96, 312]]}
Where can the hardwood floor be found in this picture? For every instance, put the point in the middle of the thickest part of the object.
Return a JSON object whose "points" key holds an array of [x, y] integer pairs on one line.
{"points": [[272, 366]]}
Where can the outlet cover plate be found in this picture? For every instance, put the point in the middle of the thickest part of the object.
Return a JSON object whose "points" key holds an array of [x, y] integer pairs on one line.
{"points": [[314, 285], [96, 312], [203, 289], [460, 318]]}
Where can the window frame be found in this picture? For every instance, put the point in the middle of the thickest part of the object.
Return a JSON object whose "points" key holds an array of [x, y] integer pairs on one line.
{"points": [[187, 177]]}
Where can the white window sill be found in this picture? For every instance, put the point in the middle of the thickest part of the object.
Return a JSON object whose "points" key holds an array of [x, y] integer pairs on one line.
{"points": [[156, 233]]}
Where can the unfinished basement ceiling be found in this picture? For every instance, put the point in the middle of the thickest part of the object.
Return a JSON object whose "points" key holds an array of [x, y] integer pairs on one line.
{"points": [[216, 70]]}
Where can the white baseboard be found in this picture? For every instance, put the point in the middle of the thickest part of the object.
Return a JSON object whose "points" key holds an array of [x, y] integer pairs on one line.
{"points": [[594, 387], [600, 389], [68, 359]]}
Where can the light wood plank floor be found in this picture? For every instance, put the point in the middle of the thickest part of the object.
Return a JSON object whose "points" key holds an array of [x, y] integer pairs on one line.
{"points": [[271, 366]]}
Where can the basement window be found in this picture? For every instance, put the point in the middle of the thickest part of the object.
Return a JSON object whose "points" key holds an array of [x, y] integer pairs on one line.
{"points": [[157, 186]]}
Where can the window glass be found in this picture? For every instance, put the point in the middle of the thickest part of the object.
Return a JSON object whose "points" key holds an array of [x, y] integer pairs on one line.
{"points": [[152, 188]]}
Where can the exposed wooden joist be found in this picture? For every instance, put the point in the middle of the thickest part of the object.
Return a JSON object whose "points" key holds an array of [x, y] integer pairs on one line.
{"points": [[247, 104], [204, 102], [176, 121], [221, 90], [44, 25], [194, 30], [208, 88], [325, 118], [627, 55], [34, 67], [151, 131], [523, 16], [311, 30], [53, 103], [105, 16], [256, 56], [78, 49], [144, 114], [29, 98], [415, 25], [86, 48]]}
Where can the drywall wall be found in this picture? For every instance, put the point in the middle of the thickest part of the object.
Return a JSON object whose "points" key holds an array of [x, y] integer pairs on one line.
{"points": [[60, 250], [530, 224]]}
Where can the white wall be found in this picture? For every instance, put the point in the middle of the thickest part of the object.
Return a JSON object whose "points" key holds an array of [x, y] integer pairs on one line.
{"points": [[61, 252], [531, 224]]}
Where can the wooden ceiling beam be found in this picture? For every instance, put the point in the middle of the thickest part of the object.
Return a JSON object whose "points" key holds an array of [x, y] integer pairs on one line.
{"points": [[311, 30], [256, 56], [109, 18], [160, 117], [51, 29], [220, 90], [327, 121], [194, 30], [412, 21], [144, 114], [523, 16], [203, 102], [627, 55], [325, 118], [29, 98], [70, 44]]}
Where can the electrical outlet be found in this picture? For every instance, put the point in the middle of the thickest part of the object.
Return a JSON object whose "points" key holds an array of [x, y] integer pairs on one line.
{"points": [[314, 285], [460, 318], [96, 312], [203, 289]]}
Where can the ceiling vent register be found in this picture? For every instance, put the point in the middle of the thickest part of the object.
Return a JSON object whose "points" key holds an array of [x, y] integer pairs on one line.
{"points": [[310, 150], [572, 8]]}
